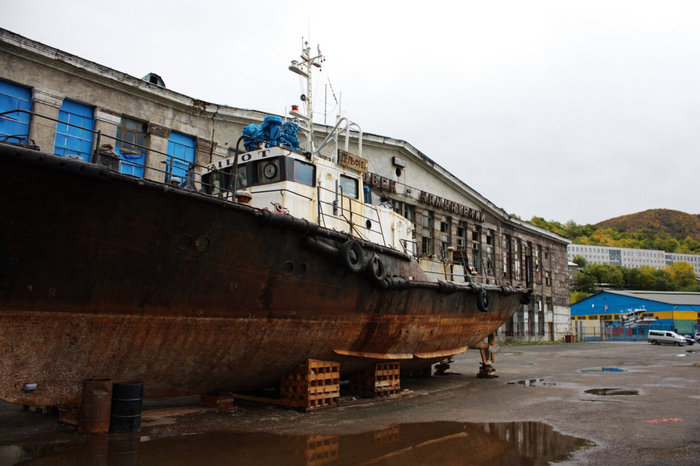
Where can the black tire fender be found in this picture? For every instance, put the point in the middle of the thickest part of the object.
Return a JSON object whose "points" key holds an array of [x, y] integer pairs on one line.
{"points": [[352, 255], [483, 301], [376, 269]]}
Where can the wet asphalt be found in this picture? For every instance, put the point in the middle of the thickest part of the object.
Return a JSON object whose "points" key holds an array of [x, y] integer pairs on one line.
{"points": [[652, 416]]}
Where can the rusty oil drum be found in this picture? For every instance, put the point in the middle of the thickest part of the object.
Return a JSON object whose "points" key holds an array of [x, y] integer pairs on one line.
{"points": [[127, 402], [95, 406]]}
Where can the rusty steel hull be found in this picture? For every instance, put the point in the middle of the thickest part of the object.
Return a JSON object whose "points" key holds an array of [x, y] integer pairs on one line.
{"points": [[104, 275]]}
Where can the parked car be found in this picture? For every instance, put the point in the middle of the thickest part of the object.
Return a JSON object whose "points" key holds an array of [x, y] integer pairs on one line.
{"points": [[689, 340], [697, 337], [656, 337]]}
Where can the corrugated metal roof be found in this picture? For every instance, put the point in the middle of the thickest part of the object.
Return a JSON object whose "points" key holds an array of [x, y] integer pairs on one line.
{"points": [[677, 298]]}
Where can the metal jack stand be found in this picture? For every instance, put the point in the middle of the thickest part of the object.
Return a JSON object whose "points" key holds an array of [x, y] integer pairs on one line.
{"points": [[486, 370]]}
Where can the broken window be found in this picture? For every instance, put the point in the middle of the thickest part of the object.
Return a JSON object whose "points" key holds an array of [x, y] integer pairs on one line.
{"points": [[427, 246], [131, 146], [410, 212]]}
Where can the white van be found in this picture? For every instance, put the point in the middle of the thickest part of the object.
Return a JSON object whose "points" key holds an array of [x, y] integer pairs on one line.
{"points": [[656, 337]]}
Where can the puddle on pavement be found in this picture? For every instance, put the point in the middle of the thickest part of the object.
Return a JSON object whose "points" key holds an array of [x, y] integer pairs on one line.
{"points": [[604, 369], [611, 391], [533, 383], [416, 443]]}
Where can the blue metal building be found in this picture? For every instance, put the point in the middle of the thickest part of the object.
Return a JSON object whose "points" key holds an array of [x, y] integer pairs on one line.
{"points": [[668, 310]]}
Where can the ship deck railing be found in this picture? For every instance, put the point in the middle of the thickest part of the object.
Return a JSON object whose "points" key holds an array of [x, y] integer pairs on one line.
{"points": [[175, 171], [357, 222], [170, 172]]}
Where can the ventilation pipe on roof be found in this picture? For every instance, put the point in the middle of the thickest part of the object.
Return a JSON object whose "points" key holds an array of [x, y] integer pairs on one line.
{"points": [[153, 78]]}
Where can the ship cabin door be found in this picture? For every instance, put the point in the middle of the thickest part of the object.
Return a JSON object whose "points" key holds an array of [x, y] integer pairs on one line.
{"points": [[337, 191]]}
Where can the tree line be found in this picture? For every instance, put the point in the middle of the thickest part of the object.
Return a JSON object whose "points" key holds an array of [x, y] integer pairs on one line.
{"points": [[679, 276], [599, 236]]}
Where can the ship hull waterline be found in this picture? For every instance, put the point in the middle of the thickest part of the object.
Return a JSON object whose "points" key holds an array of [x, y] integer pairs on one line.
{"points": [[105, 275]]}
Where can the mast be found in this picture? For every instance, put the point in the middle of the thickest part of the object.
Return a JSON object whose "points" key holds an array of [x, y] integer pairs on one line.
{"points": [[304, 69]]}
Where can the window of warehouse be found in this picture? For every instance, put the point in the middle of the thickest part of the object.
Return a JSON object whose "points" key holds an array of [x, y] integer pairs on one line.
{"points": [[131, 146], [14, 125], [74, 130]]}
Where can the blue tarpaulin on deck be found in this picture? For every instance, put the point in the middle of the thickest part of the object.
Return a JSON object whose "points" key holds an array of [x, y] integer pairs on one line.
{"points": [[272, 132]]}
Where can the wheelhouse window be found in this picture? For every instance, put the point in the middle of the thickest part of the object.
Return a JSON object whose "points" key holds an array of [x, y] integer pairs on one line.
{"points": [[349, 186], [265, 171], [241, 178], [268, 171], [304, 173]]}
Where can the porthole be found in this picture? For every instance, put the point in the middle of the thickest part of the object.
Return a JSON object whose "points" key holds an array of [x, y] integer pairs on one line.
{"points": [[270, 170], [288, 268], [202, 243]]}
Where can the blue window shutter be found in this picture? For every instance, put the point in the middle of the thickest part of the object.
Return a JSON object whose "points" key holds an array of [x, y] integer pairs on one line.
{"points": [[131, 164], [14, 127], [180, 155], [74, 130]]}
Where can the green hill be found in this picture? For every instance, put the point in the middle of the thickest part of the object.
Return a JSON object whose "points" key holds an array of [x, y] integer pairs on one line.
{"points": [[664, 229], [673, 223]]}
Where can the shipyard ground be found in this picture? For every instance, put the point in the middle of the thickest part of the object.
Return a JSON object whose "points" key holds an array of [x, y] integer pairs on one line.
{"points": [[660, 424]]}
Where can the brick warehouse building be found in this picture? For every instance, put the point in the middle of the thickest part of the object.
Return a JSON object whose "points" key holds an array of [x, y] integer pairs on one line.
{"points": [[451, 220]]}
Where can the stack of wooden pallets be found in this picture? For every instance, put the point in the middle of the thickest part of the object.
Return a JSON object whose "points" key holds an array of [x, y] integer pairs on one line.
{"points": [[314, 384], [382, 379]]}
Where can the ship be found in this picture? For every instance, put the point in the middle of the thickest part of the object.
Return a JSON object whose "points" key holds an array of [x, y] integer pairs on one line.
{"points": [[638, 318], [226, 279]]}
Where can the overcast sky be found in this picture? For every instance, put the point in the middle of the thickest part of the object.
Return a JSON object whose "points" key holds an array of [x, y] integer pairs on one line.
{"points": [[568, 110]]}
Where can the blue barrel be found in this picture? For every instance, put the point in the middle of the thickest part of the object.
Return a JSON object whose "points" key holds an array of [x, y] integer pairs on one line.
{"points": [[127, 402]]}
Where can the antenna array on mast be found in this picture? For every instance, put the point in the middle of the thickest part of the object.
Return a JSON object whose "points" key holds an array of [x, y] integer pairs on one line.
{"points": [[304, 69]]}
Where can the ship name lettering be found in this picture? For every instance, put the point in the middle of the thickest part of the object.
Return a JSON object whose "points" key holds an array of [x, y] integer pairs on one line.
{"points": [[378, 181], [349, 160], [451, 206]]}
